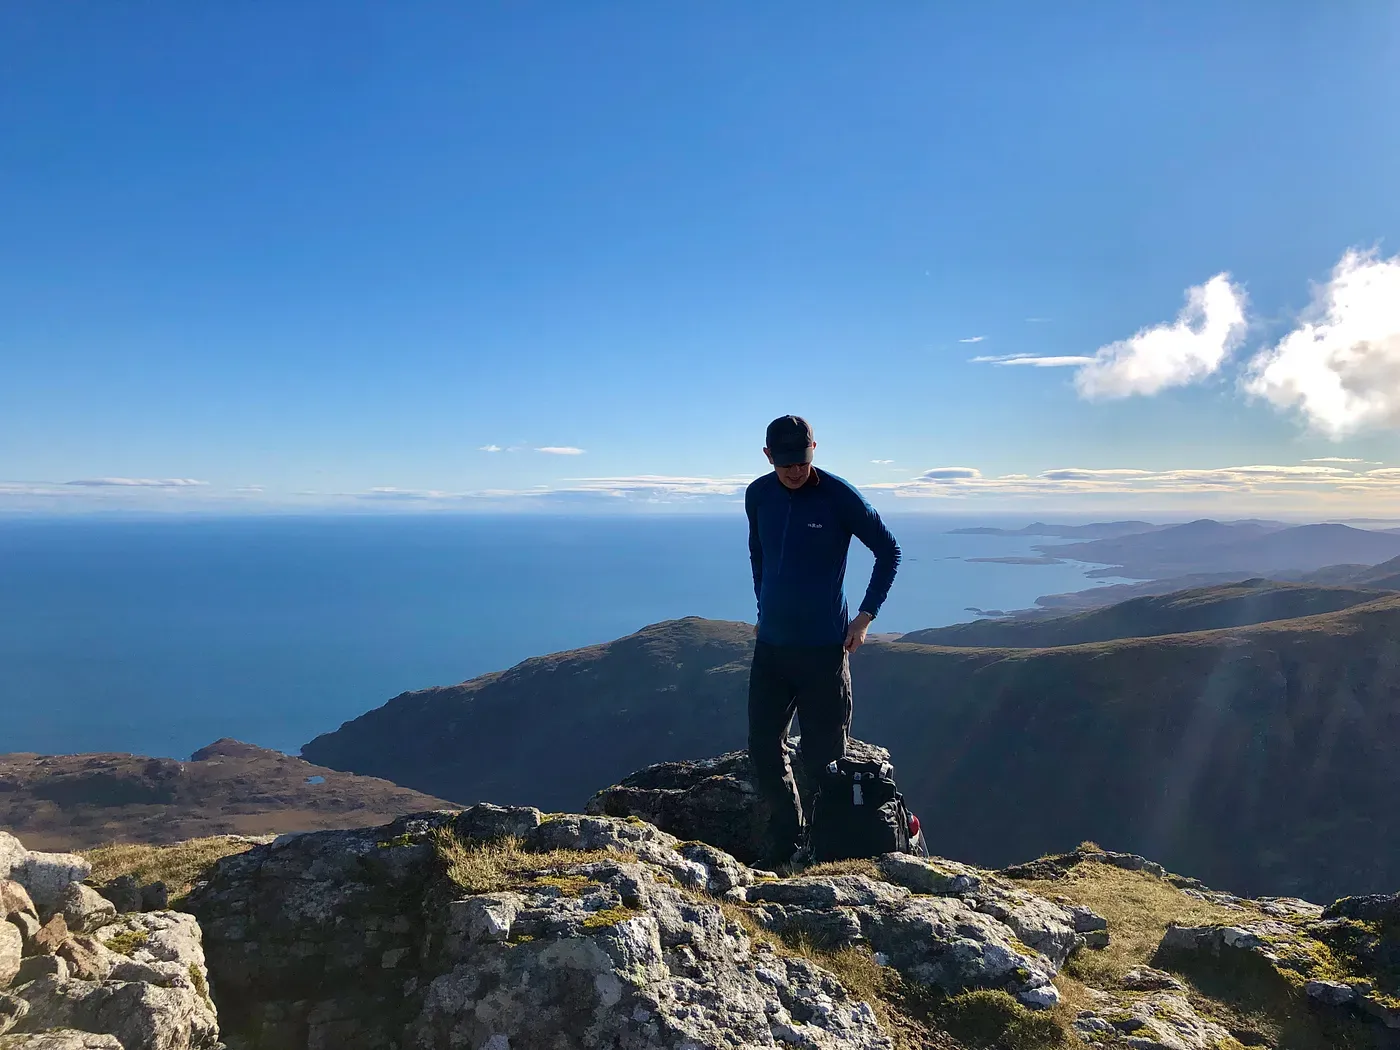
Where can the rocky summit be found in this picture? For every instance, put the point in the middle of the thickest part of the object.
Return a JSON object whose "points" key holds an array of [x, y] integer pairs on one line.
{"points": [[506, 928]]}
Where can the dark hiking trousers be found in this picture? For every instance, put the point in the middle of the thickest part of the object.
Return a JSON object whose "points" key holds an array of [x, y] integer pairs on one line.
{"points": [[813, 682]]}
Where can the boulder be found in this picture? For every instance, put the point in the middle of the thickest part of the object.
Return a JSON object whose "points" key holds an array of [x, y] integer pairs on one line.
{"points": [[11, 952], [710, 800], [946, 942], [84, 909], [50, 937], [1333, 993], [15, 900], [12, 855], [1160, 1020], [12, 1010], [66, 1039], [166, 947], [47, 875], [124, 892], [37, 966], [141, 1016], [1382, 908], [1147, 979], [155, 897], [88, 958], [486, 822]]}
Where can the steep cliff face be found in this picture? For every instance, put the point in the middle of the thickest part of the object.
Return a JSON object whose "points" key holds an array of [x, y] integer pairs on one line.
{"points": [[1258, 757]]}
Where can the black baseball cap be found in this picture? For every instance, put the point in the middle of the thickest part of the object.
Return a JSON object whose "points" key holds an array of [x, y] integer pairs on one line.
{"points": [[790, 441]]}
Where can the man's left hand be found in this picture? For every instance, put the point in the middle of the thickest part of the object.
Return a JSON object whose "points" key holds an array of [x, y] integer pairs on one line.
{"points": [[855, 634]]}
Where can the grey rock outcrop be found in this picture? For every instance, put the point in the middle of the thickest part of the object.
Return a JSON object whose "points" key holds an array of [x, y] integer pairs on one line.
{"points": [[587, 930], [1307, 953], [710, 800], [66, 1039], [939, 923], [45, 876], [84, 909], [1161, 1020], [11, 952], [68, 989]]}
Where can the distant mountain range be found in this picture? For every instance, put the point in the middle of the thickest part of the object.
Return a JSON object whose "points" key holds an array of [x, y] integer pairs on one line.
{"points": [[1202, 609], [1260, 756], [1206, 546]]}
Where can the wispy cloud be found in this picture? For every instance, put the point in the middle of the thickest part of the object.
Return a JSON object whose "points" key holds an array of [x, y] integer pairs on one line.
{"points": [[389, 492], [973, 339], [945, 474], [560, 450], [656, 486], [1340, 368], [882, 462], [1334, 459], [1210, 326], [1034, 361], [1283, 482], [144, 483], [1037, 320], [490, 448]]}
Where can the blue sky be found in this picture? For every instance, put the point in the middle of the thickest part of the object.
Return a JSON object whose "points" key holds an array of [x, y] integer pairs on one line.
{"points": [[307, 255]]}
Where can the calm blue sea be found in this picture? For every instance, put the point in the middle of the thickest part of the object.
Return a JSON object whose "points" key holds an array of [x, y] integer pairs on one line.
{"points": [[159, 637]]}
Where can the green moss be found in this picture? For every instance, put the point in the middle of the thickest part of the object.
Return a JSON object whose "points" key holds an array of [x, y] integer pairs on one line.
{"points": [[398, 840], [197, 979], [567, 885], [608, 917], [128, 941]]}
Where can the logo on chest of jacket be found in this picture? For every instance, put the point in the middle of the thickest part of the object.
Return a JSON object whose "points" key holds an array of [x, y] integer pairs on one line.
{"points": [[814, 524]]}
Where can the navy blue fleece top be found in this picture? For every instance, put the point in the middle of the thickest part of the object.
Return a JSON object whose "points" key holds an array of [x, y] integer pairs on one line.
{"points": [[798, 540]]}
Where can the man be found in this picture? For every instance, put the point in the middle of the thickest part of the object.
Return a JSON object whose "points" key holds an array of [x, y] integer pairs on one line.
{"points": [[801, 521]]}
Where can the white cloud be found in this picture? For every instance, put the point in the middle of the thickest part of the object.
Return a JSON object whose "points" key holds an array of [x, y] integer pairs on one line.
{"points": [[1193, 347], [655, 486], [882, 462], [1034, 361], [973, 339], [389, 492], [561, 450], [1340, 368], [490, 448], [1334, 459], [943, 475], [1037, 320], [145, 483], [1283, 482]]}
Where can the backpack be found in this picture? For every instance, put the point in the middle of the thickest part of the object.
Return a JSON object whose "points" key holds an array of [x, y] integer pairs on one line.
{"points": [[859, 812]]}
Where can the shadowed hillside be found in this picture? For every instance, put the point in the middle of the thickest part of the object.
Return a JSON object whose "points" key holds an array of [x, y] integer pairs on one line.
{"points": [[1203, 609], [1259, 757]]}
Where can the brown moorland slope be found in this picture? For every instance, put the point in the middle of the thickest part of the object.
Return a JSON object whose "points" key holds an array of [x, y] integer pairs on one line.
{"points": [[65, 802]]}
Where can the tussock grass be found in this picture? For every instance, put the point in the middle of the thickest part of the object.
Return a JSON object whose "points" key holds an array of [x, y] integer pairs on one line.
{"points": [[1243, 995], [845, 867], [1139, 908], [179, 865], [489, 867]]}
